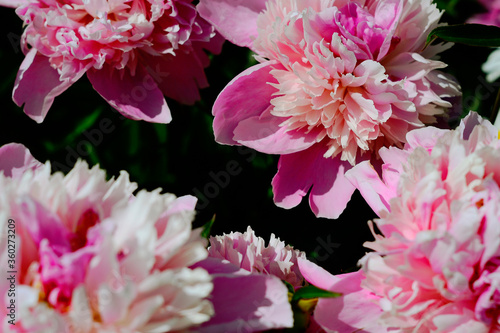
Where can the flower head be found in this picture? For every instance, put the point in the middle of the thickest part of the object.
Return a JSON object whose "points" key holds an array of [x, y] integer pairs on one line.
{"points": [[92, 255], [254, 272], [250, 253], [133, 52], [337, 80], [435, 267]]}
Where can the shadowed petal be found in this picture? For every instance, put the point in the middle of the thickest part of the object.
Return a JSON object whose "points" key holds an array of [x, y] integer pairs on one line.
{"points": [[248, 303], [37, 84], [136, 97], [181, 76]]}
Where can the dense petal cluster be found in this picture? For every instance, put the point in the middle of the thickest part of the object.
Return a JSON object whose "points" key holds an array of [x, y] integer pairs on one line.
{"points": [[92, 257], [133, 52], [436, 263], [491, 17], [250, 253], [336, 81]]}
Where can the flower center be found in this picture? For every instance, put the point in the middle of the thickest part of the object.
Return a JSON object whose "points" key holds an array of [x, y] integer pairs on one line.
{"points": [[60, 274]]}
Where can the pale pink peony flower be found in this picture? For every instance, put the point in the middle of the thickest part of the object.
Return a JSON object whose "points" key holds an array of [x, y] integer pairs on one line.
{"points": [[249, 252], [337, 80], [491, 17], [436, 263], [133, 52], [93, 257], [246, 256]]}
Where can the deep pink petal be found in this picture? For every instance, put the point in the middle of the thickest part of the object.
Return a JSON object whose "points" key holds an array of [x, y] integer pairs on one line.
{"points": [[180, 77], [214, 46], [136, 97], [357, 310], [37, 84], [235, 20], [375, 192], [248, 303], [297, 172], [264, 133], [15, 159], [233, 104]]}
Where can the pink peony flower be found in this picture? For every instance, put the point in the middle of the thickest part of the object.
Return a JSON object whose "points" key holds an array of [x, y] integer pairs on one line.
{"points": [[133, 52], [92, 257], [336, 81], [491, 17], [236, 258], [249, 252], [436, 263]]}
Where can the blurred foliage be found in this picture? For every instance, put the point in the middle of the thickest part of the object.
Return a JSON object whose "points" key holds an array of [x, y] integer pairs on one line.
{"points": [[468, 34], [183, 158]]}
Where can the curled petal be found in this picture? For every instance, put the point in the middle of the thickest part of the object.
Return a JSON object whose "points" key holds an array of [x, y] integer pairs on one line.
{"points": [[233, 105]]}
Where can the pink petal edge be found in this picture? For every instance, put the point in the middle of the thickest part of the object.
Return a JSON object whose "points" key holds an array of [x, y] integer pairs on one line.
{"points": [[15, 159], [364, 177]]}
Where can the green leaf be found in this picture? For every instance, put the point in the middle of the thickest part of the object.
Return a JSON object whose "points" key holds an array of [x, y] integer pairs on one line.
{"points": [[469, 34], [161, 132], [133, 138], [288, 286], [84, 125], [207, 227], [313, 292]]}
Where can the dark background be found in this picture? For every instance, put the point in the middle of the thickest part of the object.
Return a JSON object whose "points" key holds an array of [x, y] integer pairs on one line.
{"points": [[183, 158]]}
